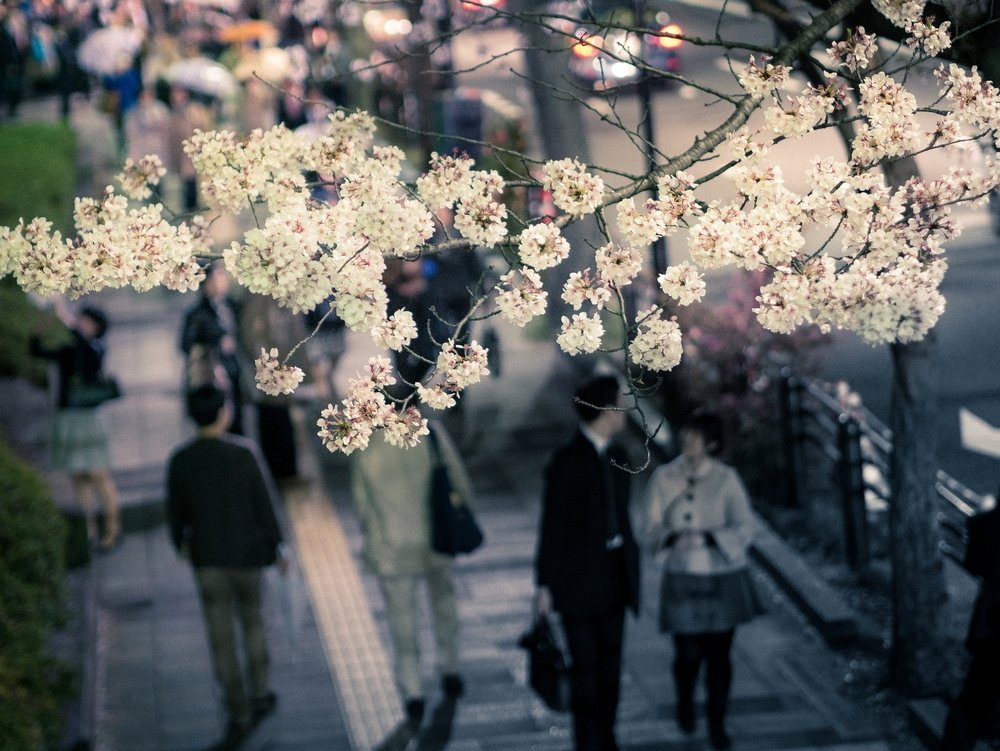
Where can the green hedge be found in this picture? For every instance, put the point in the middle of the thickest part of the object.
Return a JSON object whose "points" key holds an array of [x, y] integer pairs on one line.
{"points": [[32, 539], [37, 164], [39, 174]]}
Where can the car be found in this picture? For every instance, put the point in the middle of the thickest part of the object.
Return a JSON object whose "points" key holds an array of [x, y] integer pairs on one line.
{"points": [[608, 51]]}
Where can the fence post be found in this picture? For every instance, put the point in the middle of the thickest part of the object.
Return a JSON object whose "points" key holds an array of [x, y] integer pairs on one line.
{"points": [[852, 494], [789, 395]]}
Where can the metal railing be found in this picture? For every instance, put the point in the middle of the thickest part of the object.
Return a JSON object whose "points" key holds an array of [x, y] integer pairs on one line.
{"points": [[830, 434]]}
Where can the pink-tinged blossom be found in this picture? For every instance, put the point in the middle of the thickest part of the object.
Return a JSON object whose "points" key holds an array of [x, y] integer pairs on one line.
{"points": [[900, 12], [404, 428], [855, 52], [584, 286], [272, 377], [462, 365], [482, 219], [542, 246], [657, 341], [683, 283], [758, 80], [396, 331], [349, 427], [580, 334], [436, 396], [617, 264], [574, 190], [380, 373], [448, 180], [521, 297], [137, 179], [342, 149], [930, 39]]}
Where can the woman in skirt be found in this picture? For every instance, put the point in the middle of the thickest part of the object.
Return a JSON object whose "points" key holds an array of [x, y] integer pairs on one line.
{"points": [[79, 439], [700, 524]]}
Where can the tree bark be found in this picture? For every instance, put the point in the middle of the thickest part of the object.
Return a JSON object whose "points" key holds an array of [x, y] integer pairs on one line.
{"points": [[918, 591]]}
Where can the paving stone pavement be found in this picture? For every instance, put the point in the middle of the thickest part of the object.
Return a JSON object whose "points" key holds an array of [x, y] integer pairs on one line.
{"points": [[147, 680]]}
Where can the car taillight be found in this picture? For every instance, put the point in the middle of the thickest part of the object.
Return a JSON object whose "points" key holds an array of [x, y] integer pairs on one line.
{"points": [[670, 42], [588, 45]]}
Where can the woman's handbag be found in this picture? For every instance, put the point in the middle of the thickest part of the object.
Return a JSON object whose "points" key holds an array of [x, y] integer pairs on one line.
{"points": [[548, 669], [454, 529], [92, 392]]}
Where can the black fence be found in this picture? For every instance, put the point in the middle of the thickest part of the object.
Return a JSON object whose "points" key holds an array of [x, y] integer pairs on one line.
{"points": [[838, 459]]}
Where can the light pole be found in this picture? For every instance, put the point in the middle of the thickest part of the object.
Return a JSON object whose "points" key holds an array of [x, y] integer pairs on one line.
{"points": [[658, 249]]}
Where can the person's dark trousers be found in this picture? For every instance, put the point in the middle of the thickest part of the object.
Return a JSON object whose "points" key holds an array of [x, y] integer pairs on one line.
{"points": [[690, 650], [976, 704], [189, 193], [277, 439], [595, 647]]}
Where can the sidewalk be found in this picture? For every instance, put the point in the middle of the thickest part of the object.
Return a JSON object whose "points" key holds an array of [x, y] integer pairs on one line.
{"points": [[147, 682], [152, 686]]}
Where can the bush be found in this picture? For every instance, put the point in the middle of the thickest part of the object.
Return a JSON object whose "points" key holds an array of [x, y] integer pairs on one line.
{"points": [[37, 163], [731, 364], [32, 535]]}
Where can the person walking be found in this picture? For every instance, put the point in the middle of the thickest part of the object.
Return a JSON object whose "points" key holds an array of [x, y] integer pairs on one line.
{"points": [[587, 562], [699, 521], [79, 437], [210, 339], [220, 508], [391, 490], [978, 702]]}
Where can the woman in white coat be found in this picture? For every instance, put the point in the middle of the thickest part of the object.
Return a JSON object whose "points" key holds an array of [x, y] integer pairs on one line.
{"points": [[699, 522]]}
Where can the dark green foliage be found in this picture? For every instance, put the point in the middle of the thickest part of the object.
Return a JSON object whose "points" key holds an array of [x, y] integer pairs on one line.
{"points": [[37, 164], [19, 315], [32, 534]]}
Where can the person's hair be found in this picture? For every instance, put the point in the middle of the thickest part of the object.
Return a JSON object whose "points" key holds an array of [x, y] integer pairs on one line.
{"points": [[709, 425], [594, 395], [205, 403], [98, 316]]}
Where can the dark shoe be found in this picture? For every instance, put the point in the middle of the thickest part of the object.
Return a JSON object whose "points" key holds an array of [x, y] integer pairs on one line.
{"points": [[685, 717], [414, 713], [263, 706], [719, 739], [452, 685], [233, 739]]}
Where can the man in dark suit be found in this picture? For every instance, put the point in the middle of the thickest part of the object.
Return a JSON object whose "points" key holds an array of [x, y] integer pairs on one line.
{"points": [[979, 700], [220, 509], [587, 564], [210, 338]]}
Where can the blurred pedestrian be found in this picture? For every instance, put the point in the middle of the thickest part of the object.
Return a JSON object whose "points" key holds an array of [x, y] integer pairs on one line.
{"points": [[210, 339], [587, 563], [15, 47], [407, 288], [187, 114], [325, 347], [220, 506], [975, 713], [264, 324], [79, 437], [147, 127], [698, 518], [391, 490]]}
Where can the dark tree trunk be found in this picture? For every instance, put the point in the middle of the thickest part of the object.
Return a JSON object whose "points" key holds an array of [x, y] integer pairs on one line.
{"points": [[918, 592]]}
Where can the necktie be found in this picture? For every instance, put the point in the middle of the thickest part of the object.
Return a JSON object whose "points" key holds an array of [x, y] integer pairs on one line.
{"points": [[614, 539]]}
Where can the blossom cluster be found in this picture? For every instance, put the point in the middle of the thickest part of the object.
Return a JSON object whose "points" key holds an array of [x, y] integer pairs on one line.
{"points": [[272, 377]]}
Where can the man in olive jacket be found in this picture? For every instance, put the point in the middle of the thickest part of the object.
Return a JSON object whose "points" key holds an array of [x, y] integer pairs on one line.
{"points": [[220, 509], [587, 564]]}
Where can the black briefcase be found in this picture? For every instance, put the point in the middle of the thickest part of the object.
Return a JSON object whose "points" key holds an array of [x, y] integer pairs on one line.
{"points": [[548, 669]]}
